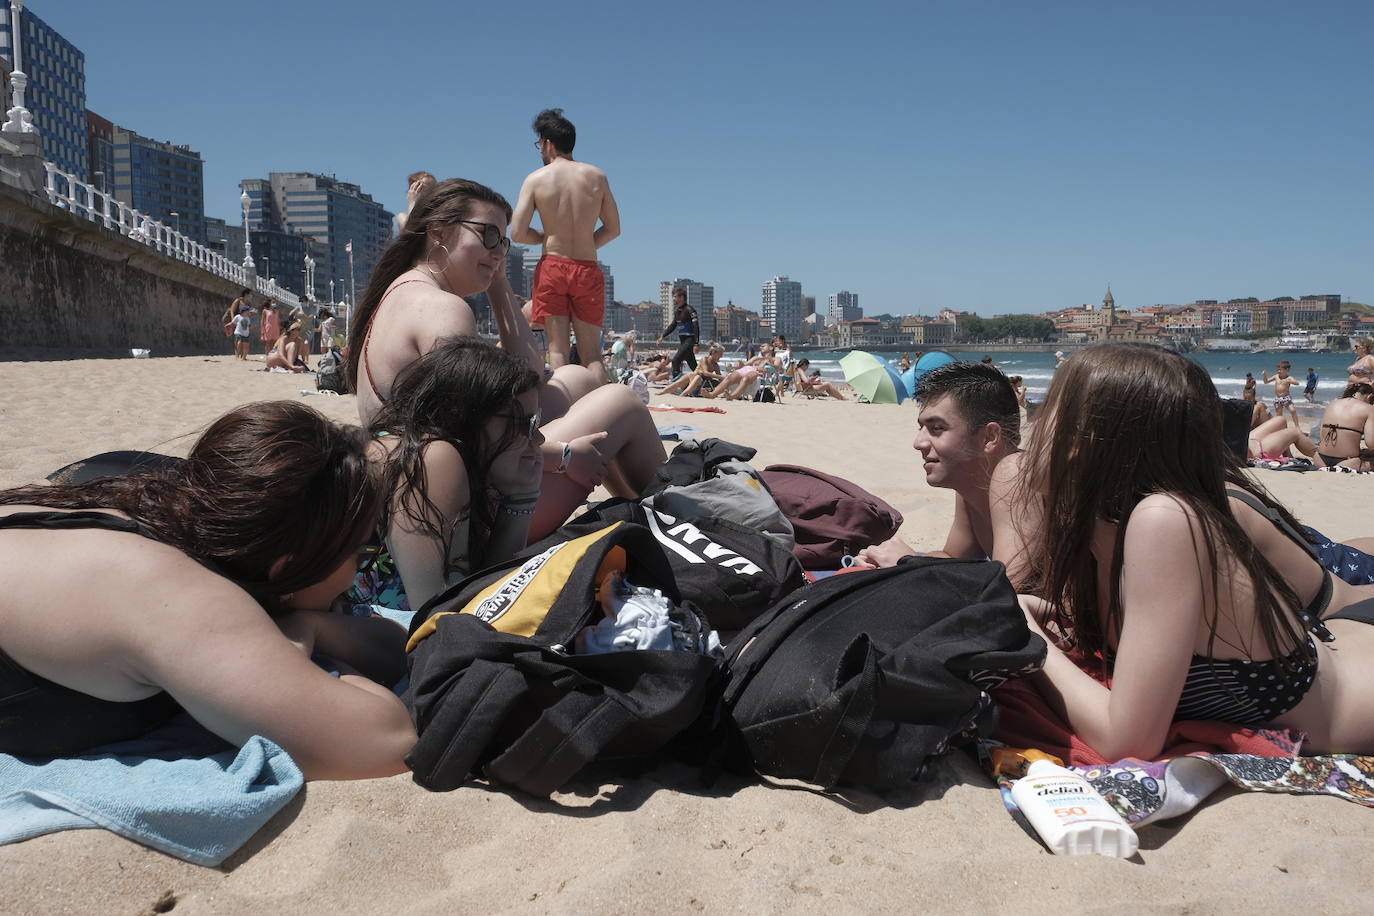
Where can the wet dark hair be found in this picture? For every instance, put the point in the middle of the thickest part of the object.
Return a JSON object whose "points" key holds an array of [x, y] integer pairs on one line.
{"points": [[980, 393], [1122, 422], [1362, 389], [442, 205], [550, 125], [267, 482], [448, 395], [246, 292]]}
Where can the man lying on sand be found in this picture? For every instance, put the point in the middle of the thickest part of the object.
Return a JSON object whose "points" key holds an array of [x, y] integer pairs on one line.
{"points": [[968, 424]]}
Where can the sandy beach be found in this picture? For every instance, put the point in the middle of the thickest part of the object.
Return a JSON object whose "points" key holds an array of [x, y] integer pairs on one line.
{"points": [[657, 841]]}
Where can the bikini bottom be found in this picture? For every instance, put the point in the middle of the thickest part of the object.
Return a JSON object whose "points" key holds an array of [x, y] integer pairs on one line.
{"points": [[1361, 611], [1331, 460]]}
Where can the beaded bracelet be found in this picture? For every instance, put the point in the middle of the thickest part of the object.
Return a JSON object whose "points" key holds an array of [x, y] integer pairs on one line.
{"points": [[517, 510]]}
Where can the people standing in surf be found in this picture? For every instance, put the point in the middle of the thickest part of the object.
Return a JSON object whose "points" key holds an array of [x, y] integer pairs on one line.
{"points": [[571, 198], [1247, 393], [1309, 391], [1283, 390]]}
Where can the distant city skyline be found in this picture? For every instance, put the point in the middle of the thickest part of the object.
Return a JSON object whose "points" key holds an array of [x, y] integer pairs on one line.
{"points": [[994, 160]]}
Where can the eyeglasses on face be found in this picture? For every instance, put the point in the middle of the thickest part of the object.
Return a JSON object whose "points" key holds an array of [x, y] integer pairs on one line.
{"points": [[518, 419], [490, 235]]}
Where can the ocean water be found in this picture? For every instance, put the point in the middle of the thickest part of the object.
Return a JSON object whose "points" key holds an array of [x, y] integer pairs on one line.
{"points": [[1226, 369]]}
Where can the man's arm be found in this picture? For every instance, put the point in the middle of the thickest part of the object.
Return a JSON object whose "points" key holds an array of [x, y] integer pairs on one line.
{"points": [[610, 217], [961, 541], [520, 229]]}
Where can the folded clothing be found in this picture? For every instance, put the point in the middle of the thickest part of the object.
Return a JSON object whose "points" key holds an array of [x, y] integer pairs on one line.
{"points": [[179, 789]]}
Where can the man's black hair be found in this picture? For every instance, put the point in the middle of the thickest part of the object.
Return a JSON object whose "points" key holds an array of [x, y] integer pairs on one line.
{"points": [[550, 125], [979, 392]]}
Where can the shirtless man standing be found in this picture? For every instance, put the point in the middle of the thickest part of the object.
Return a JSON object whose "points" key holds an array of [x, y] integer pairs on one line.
{"points": [[571, 196], [969, 423]]}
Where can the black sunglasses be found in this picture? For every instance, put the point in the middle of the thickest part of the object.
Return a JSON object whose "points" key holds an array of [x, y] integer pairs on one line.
{"points": [[490, 235], [521, 418]]}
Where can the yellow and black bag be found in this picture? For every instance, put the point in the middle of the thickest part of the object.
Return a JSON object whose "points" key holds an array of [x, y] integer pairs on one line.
{"points": [[496, 689]]}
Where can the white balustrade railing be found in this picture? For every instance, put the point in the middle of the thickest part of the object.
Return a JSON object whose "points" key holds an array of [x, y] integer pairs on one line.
{"points": [[81, 199]]}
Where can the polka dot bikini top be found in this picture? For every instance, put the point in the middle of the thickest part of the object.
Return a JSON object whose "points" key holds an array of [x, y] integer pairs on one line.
{"points": [[1246, 692]]}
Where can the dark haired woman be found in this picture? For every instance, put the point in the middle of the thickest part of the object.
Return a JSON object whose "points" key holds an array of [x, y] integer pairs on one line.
{"points": [[453, 245], [1160, 559], [460, 440], [685, 325], [127, 597]]}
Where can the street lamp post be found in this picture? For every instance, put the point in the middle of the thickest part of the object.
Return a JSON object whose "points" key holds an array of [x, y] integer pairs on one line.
{"points": [[18, 119], [247, 244], [309, 276], [267, 267], [331, 290]]}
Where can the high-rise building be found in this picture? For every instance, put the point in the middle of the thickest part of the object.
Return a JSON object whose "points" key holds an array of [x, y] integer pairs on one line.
{"points": [[56, 91], [161, 180], [333, 215], [100, 150], [699, 296], [515, 272], [782, 306], [223, 239], [609, 296], [281, 257], [844, 306]]}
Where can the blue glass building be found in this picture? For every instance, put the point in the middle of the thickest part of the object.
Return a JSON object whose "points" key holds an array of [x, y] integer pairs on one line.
{"points": [[56, 92], [162, 180]]}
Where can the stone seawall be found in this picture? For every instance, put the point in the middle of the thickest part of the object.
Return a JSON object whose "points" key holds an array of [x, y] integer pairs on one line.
{"points": [[72, 284]]}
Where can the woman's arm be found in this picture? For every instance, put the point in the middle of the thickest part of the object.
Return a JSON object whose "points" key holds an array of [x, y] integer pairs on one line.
{"points": [[516, 336], [216, 652], [421, 558], [374, 646], [1160, 618]]}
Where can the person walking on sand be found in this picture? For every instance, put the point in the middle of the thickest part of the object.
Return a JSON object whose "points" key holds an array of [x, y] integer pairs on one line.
{"points": [[231, 311], [1283, 390], [571, 197], [242, 328]]}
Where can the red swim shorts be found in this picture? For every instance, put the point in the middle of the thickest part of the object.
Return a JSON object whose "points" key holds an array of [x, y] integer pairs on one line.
{"points": [[565, 288]]}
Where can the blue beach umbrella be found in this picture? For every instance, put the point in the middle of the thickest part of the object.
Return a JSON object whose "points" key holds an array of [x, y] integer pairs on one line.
{"points": [[927, 361], [873, 377]]}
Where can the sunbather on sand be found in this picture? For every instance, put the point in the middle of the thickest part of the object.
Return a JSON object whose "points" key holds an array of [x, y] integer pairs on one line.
{"points": [[453, 245], [743, 380], [288, 352], [968, 427], [1274, 439], [188, 587], [703, 378], [459, 438], [1194, 601], [814, 384], [1347, 425]]}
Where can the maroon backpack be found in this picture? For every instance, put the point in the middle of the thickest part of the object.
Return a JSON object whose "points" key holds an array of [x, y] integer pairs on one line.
{"points": [[830, 516]]}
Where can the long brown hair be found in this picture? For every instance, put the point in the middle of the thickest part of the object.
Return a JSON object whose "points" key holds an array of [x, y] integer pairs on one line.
{"points": [[267, 482], [1122, 422], [448, 394], [442, 204]]}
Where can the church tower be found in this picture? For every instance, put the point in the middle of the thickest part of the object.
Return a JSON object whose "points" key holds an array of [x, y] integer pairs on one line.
{"points": [[1109, 305]]}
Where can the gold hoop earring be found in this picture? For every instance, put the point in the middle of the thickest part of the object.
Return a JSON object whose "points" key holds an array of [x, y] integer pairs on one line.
{"points": [[437, 272]]}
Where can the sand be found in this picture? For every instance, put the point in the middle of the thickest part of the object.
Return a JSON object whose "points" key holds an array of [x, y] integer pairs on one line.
{"points": [[658, 841]]}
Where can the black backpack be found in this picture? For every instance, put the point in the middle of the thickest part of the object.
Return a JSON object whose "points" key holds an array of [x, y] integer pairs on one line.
{"points": [[730, 572], [862, 678], [498, 690]]}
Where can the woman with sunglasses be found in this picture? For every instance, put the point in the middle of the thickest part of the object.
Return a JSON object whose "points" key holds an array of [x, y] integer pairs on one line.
{"points": [[1362, 370], [459, 443], [198, 585]]}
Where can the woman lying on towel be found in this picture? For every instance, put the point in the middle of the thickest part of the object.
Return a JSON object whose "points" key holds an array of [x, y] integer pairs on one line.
{"points": [[1158, 555], [460, 439], [199, 587]]}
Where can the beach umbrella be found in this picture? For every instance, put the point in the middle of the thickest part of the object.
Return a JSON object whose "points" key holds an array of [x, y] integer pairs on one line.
{"points": [[873, 377], [927, 361]]}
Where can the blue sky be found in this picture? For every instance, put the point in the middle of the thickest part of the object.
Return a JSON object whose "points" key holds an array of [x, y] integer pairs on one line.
{"points": [[992, 156]]}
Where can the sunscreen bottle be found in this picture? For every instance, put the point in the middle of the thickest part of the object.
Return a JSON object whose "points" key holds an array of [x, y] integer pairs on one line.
{"points": [[1068, 813]]}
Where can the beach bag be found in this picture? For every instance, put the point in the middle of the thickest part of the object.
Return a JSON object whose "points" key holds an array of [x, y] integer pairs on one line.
{"points": [[862, 680], [228, 329], [729, 571], [831, 517], [329, 374], [765, 396], [638, 382], [498, 689], [695, 460]]}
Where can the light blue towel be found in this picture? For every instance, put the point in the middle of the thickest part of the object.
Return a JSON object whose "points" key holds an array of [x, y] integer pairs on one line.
{"points": [[675, 431], [200, 808]]}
